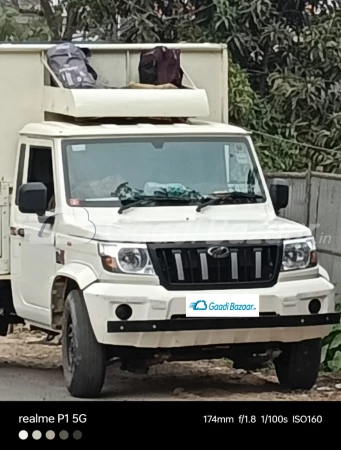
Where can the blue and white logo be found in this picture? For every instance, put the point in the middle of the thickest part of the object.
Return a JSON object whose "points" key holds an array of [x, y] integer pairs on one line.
{"points": [[199, 305], [222, 305]]}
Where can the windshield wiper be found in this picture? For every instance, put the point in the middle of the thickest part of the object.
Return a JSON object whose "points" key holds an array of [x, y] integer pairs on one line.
{"points": [[152, 199], [228, 196]]}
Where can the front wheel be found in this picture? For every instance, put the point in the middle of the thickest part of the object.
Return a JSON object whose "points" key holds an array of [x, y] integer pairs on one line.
{"points": [[297, 367], [84, 359]]}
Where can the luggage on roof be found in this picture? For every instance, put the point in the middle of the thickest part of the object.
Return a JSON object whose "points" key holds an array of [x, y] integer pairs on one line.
{"points": [[160, 66], [74, 90], [70, 65]]}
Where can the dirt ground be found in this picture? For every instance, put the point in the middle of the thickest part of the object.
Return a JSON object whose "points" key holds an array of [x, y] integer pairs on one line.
{"points": [[26, 359]]}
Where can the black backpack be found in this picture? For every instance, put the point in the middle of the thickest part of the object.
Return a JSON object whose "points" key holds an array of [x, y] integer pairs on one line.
{"points": [[160, 65], [87, 54], [70, 65]]}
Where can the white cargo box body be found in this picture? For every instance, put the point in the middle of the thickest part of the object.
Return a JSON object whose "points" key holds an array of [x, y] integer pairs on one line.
{"points": [[26, 94]]}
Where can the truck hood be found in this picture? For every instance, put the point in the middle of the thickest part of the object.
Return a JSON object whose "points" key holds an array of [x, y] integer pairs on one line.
{"points": [[184, 224]]}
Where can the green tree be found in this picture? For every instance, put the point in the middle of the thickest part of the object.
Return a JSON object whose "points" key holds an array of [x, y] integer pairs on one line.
{"points": [[257, 31], [307, 90], [143, 20], [249, 110], [12, 27], [292, 57]]}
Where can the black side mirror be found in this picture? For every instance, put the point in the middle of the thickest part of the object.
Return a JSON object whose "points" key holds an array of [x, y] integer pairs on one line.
{"points": [[32, 198], [279, 193]]}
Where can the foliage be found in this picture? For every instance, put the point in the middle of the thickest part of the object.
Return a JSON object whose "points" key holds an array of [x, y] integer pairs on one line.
{"points": [[71, 17], [256, 31], [331, 350], [249, 110], [308, 90], [141, 20], [165, 21], [12, 28], [241, 97], [275, 154], [292, 59]]}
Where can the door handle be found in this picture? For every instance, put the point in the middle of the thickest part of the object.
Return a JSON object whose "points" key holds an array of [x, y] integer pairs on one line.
{"points": [[21, 232]]}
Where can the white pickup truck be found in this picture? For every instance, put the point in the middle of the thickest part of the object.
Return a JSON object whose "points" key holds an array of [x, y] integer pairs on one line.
{"points": [[122, 208]]}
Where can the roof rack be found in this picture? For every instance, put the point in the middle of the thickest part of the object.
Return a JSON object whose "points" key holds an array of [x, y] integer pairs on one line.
{"points": [[131, 101]]}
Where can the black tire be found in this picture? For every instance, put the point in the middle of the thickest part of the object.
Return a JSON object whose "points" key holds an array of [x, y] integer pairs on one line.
{"points": [[298, 365], [3, 326], [84, 359]]}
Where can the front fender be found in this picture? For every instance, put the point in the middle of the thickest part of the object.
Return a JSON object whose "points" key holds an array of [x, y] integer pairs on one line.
{"points": [[324, 273], [82, 275]]}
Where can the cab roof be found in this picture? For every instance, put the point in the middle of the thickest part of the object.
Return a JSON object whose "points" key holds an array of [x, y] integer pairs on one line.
{"points": [[68, 130]]}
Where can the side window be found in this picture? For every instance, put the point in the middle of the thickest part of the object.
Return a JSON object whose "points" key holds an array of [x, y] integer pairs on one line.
{"points": [[40, 169], [20, 172]]}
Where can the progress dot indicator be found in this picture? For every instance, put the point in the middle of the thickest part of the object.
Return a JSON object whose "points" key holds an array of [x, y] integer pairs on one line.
{"points": [[36, 435], [50, 435], [77, 435], [63, 435], [23, 435]]}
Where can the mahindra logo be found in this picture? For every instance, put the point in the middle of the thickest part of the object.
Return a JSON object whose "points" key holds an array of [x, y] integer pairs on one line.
{"points": [[218, 252]]}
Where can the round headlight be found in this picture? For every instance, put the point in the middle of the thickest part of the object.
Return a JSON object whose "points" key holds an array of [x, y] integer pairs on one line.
{"points": [[132, 259]]}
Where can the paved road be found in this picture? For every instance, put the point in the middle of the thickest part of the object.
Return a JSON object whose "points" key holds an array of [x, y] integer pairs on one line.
{"points": [[17, 383]]}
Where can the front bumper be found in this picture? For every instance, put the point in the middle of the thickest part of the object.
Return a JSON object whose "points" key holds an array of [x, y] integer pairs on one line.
{"points": [[155, 322], [189, 324]]}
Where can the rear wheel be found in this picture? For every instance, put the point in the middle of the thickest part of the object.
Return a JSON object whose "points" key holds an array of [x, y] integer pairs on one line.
{"points": [[297, 367], [84, 359]]}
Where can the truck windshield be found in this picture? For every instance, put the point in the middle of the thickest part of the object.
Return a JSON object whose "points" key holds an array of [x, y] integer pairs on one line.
{"points": [[106, 172]]}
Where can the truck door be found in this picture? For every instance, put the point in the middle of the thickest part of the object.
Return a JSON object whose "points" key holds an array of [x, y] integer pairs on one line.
{"points": [[33, 256]]}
